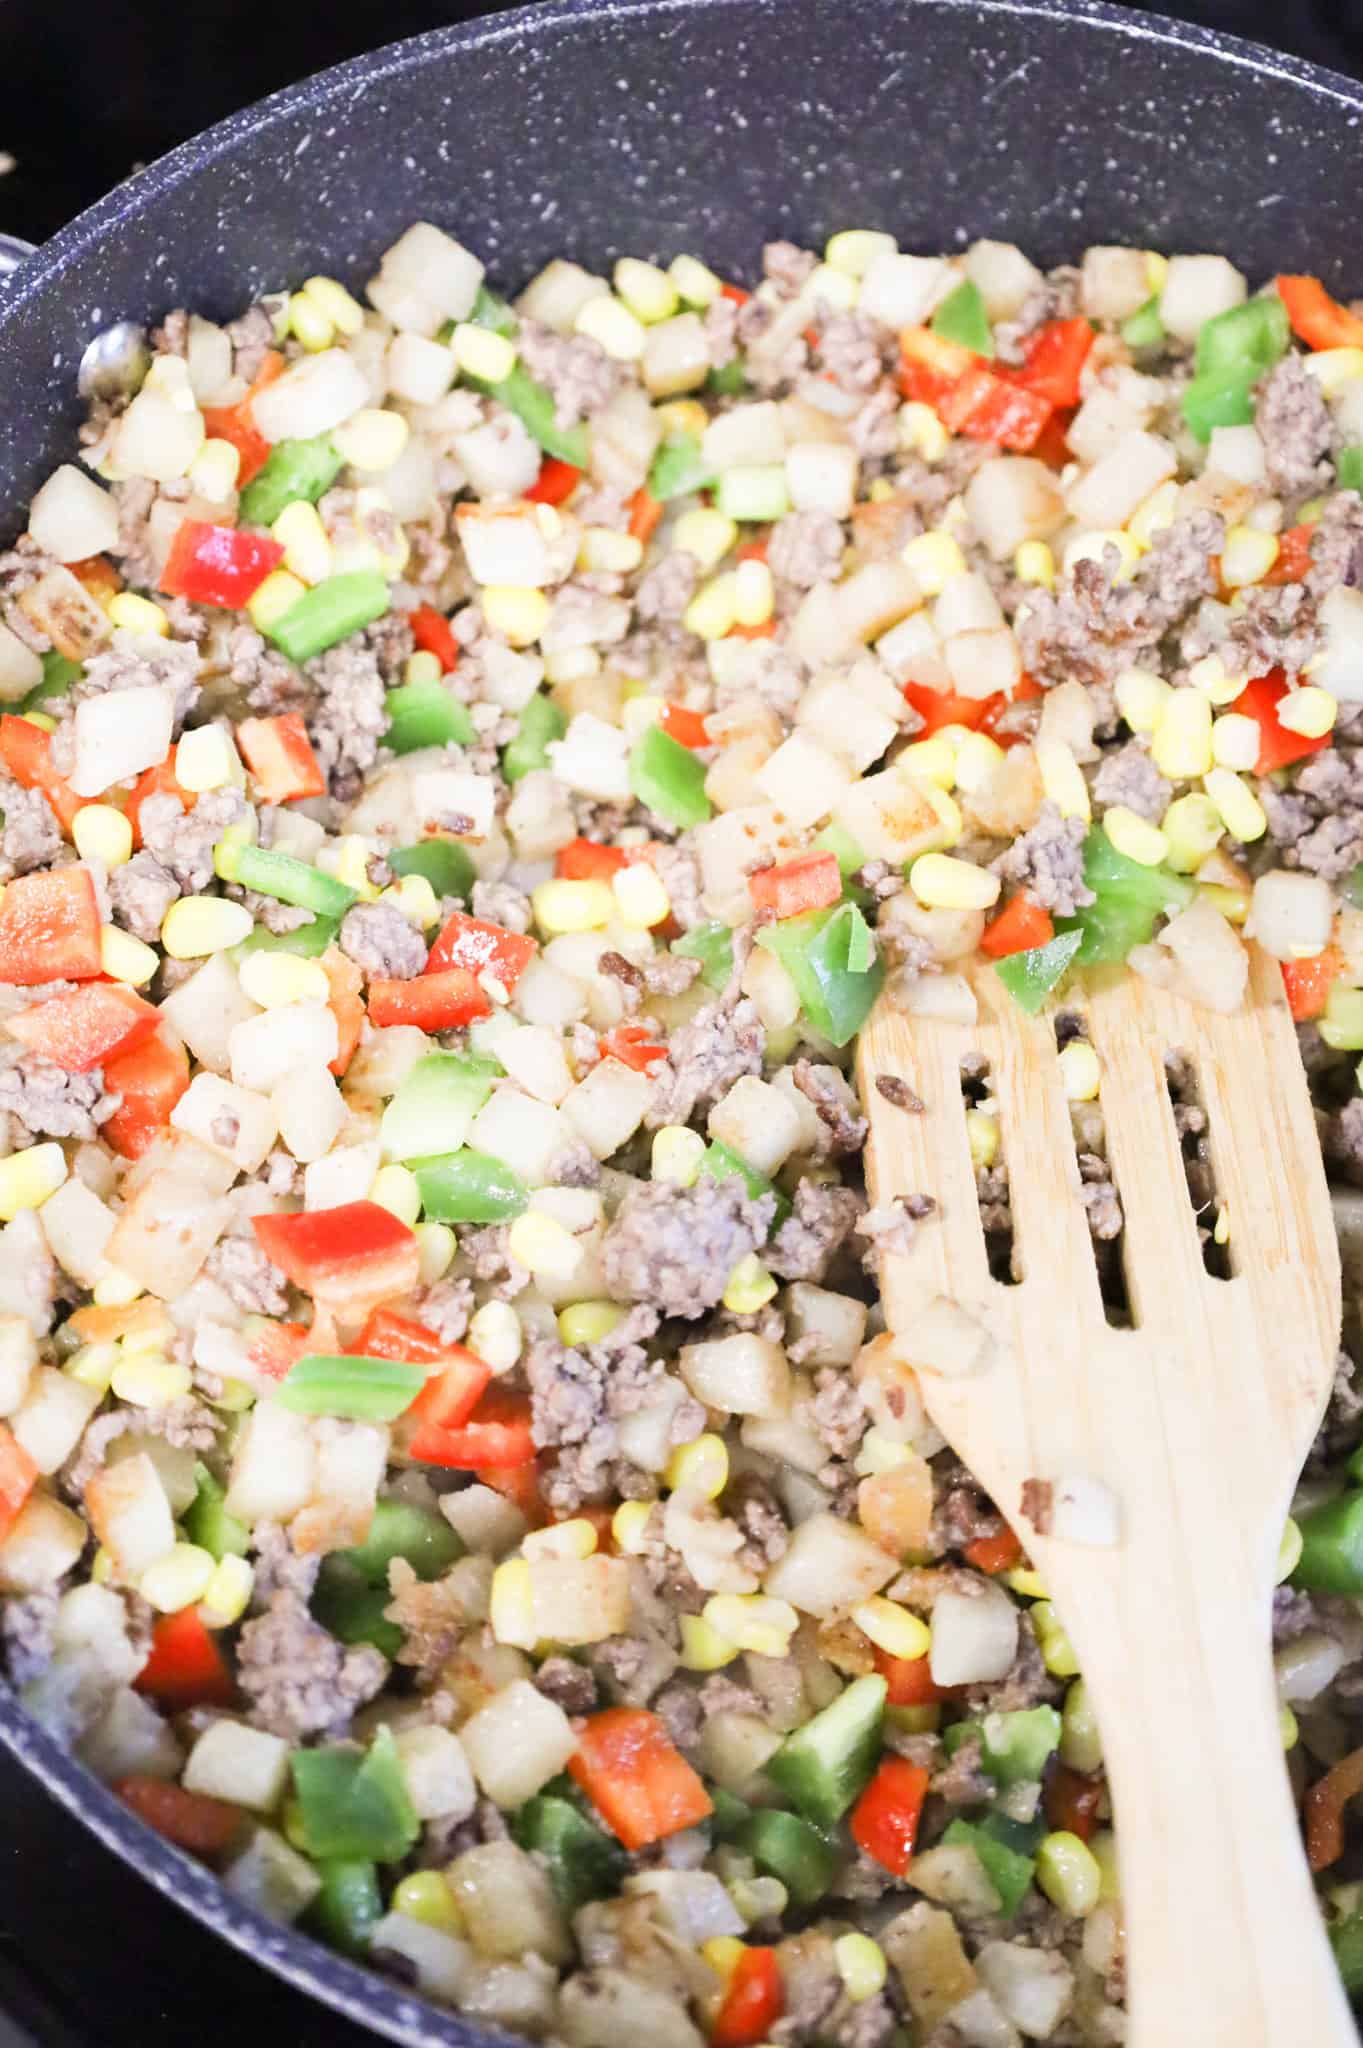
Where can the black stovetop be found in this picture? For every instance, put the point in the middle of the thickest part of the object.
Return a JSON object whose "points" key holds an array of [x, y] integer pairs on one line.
{"points": [[89, 1956]]}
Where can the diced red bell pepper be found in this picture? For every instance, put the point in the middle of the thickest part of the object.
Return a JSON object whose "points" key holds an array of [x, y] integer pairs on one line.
{"points": [[1024, 689], [389, 1335], [929, 365], [937, 708], [1279, 746], [345, 981], [1294, 555], [1019, 926], [432, 633], [1055, 356], [986, 407], [812, 881], [910, 1681], [686, 727], [193, 1821], [1307, 983], [186, 1668], [18, 1477], [1003, 1552], [1317, 319], [645, 515], [482, 948], [632, 1046], [1324, 1806], [1051, 445], [517, 1483], [218, 565], [26, 751], [753, 2002], [157, 781], [735, 292], [754, 550], [358, 1254], [280, 757], [458, 1376], [884, 1821], [97, 575], [1072, 1801], [236, 423], [85, 1027], [433, 1002], [49, 928], [277, 1347], [637, 1778], [151, 1079], [496, 1437], [766, 631], [555, 483], [583, 860]]}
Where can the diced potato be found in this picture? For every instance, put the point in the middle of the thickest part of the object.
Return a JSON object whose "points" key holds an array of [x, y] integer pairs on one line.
{"points": [[20, 668], [77, 1226], [740, 1375], [579, 1600], [273, 1465], [1123, 400], [205, 1010], [344, 1175], [52, 1418], [828, 1326], [828, 1567], [517, 1743], [310, 1111], [607, 1106], [1004, 275], [746, 436], [757, 1122], [727, 847], [243, 1765], [130, 1739], [929, 1955], [1012, 499], [1114, 282], [904, 291], [844, 722], [610, 2008], [18, 1357], [234, 1121], [558, 293], [167, 1231], [526, 1135], [487, 1520], [953, 1875], [891, 817], [1196, 289], [508, 1903], [974, 1636], [270, 1047], [1106, 495], [822, 477], [1291, 915], [175, 1465], [130, 1514], [803, 780], [1034, 1987], [272, 1876], [435, 1769], [72, 516], [351, 1460], [533, 1056], [42, 1546], [734, 1747]]}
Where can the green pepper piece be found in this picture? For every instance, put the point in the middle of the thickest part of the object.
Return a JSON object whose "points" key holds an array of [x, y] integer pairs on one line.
{"points": [[536, 408], [468, 1187], [208, 1523], [784, 1846], [360, 1389], [719, 1162], [825, 1766], [679, 469], [432, 1110], [1346, 1939], [668, 778], [447, 865], [1128, 899], [331, 611], [541, 721], [402, 1529], [713, 945], [309, 941], [1144, 329], [729, 1813], [1354, 1467], [583, 1862], [731, 380], [1025, 1836], [354, 1803], [831, 957], [1215, 401], [1245, 340], [961, 318], [833, 839], [292, 470], [353, 1611], [1331, 1558], [282, 876], [58, 676], [1348, 470], [349, 1904], [488, 311], [425, 715], [1010, 1873], [1016, 1747], [1029, 977]]}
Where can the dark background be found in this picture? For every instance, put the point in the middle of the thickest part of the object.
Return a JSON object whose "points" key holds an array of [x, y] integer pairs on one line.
{"points": [[88, 1956]]}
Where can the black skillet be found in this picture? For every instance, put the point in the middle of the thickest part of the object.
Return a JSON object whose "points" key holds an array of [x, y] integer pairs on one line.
{"points": [[652, 126]]}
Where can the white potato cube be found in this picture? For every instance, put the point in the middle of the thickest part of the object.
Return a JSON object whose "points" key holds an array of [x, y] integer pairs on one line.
{"points": [[756, 1121], [524, 1134], [273, 1044], [904, 291], [746, 435], [842, 720], [130, 1739], [740, 1375], [419, 370], [345, 1175], [436, 1771], [273, 1465], [77, 1226], [1114, 283], [235, 1122], [131, 1514], [351, 1460], [504, 545], [431, 263], [607, 1106], [119, 734], [486, 1520], [829, 1327], [1005, 277], [274, 1878], [167, 1231], [42, 1546], [1012, 499], [803, 780], [1106, 495], [828, 1567], [52, 1418], [242, 1765], [18, 1358], [314, 395], [309, 1110], [1196, 289], [593, 758], [534, 1057], [439, 794], [891, 817], [821, 476], [974, 1636], [20, 668], [205, 1010], [517, 1743], [72, 516]]}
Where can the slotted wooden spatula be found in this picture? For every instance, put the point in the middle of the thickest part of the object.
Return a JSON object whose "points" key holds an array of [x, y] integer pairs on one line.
{"points": [[1147, 1470]]}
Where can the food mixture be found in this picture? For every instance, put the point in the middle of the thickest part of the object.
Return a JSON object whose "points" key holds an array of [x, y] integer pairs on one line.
{"points": [[468, 770]]}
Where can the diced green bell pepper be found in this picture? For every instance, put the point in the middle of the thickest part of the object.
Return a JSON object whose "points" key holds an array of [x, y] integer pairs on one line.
{"points": [[354, 1803], [536, 408], [1210, 402], [1346, 1939], [446, 865], [284, 877], [825, 1765], [668, 778], [1023, 1836], [330, 612], [713, 945], [719, 1162], [833, 839], [583, 1862], [1029, 977], [402, 1529], [1245, 340], [436, 1103], [468, 1187], [1144, 329], [756, 492], [1128, 899], [786, 1847], [352, 1610], [1013, 1747], [309, 941], [349, 1904], [208, 1523], [728, 1815], [831, 957], [488, 311], [1009, 1873], [728, 382], [961, 318], [1348, 469], [425, 715], [1331, 1558], [679, 469], [359, 1389], [58, 675], [292, 470], [541, 721]]}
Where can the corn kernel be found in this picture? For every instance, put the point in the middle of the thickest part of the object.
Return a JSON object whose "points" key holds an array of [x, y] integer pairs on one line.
{"points": [[879, 1453], [892, 1628], [1079, 1070], [944, 883], [178, 1579], [1333, 368], [207, 759], [1093, 547], [496, 1335], [983, 1132], [1182, 742], [335, 304], [1104, 1849], [682, 416], [754, 593], [198, 925], [920, 433], [610, 322], [1141, 698], [1310, 711], [101, 1567], [934, 557], [308, 552], [705, 533], [1192, 828], [563, 906], [396, 1190], [724, 1953], [1159, 509], [422, 667], [351, 855], [114, 1288], [700, 1467], [1057, 1651], [713, 611], [1156, 271], [511, 1605], [100, 832], [880, 490], [588, 1322], [861, 1965], [28, 1178], [415, 898], [148, 1381], [694, 281], [1236, 805], [749, 1287], [575, 1538], [424, 1895], [1063, 779], [542, 1245], [1220, 684], [704, 1648], [41, 719], [1135, 836], [1068, 1873], [435, 1243], [570, 664], [831, 287], [677, 1155], [520, 614], [1289, 1551], [371, 439], [1287, 1725], [273, 598], [648, 292], [134, 614], [481, 353], [856, 249], [977, 762], [1081, 1745], [214, 471], [235, 1398], [1247, 555], [931, 760], [601, 549], [1235, 740], [273, 979], [1035, 563], [628, 1525], [640, 896], [93, 1365], [754, 1621], [950, 823], [1233, 904], [309, 324], [638, 714]]}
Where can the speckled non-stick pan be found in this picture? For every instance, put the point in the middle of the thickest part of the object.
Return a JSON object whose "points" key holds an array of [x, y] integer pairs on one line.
{"points": [[652, 126]]}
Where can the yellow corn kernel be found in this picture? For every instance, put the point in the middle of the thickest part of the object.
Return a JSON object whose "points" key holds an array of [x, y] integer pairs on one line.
{"points": [[41, 719], [178, 1579], [28, 1178], [422, 667], [481, 353], [350, 858], [134, 614], [214, 471], [1309, 711], [496, 1335], [724, 1953], [308, 552], [640, 896], [713, 611], [563, 906], [1068, 1873], [833, 286], [609, 321], [206, 758], [1216, 682], [372, 439], [921, 432], [1287, 1725], [682, 416], [511, 1605], [694, 281], [519, 613], [754, 593], [309, 324], [977, 761], [677, 1155], [638, 714], [1141, 698], [101, 1567], [236, 1397], [1034, 562], [100, 832], [1156, 271], [1237, 806], [576, 1538], [273, 979], [542, 1245], [273, 598], [861, 1965], [983, 1132], [1057, 1651], [415, 898], [147, 1380], [944, 883], [198, 925], [1135, 836], [1289, 1551], [935, 557], [931, 760], [749, 1287], [1104, 1850], [700, 1467], [856, 249], [1233, 904], [704, 1648], [648, 292], [879, 1453], [1235, 740], [395, 1189], [1192, 828], [613, 554], [1182, 742], [424, 1895], [628, 1525], [1093, 547], [1079, 1070], [435, 1251], [93, 1365], [949, 820], [1159, 509], [892, 1628], [1247, 555], [115, 1289], [754, 1621], [1333, 368], [588, 1322], [335, 304], [1063, 779], [706, 534]]}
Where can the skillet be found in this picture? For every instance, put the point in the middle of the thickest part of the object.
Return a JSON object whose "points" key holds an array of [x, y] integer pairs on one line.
{"points": [[596, 127]]}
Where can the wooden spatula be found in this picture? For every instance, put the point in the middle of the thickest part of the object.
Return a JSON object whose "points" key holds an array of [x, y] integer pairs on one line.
{"points": [[1147, 1470]]}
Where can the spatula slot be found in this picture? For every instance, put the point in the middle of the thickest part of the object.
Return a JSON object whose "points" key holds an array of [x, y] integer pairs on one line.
{"points": [[991, 1169], [1190, 1121], [1102, 1202]]}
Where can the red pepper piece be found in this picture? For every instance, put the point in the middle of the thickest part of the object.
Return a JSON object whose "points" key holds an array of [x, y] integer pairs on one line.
{"points": [[432, 633], [277, 1347], [632, 1046], [280, 757], [345, 982], [1055, 357], [752, 2003], [433, 1002], [1019, 926], [1072, 1801], [26, 751], [645, 515], [1294, 555], [937, 708], [218, 565], [555, 483], [49, 928], [583, 860], [357, 1253], [1279, 746], [1317, 319], [812, 881], [482, 948], [186, 1668], [18, 1476], [884, 1821], [639, 1781], [910, 1681], [1307, 982], [203, 1826], [497, 1436], [236, 423], [85, 1027], [1003, 1552], [157, 781], [986, 407], [686, 727], [151, 1079]]}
